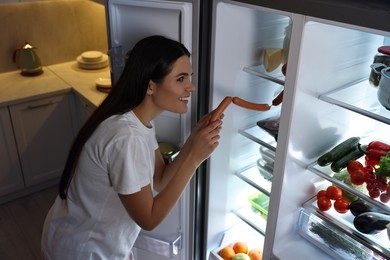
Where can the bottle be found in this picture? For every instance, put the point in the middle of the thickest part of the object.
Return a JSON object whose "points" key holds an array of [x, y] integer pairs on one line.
{"points": [[383, 58]]}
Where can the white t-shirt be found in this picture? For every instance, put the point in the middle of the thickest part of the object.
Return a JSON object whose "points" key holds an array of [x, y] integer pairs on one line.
{"points": [[92, 223]]}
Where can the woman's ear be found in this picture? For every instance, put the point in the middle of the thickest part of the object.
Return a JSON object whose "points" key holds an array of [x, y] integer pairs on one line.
{"points": [[151, 88]]}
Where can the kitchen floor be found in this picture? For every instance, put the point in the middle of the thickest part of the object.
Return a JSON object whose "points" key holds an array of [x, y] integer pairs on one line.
{"points": [[21, 224]]}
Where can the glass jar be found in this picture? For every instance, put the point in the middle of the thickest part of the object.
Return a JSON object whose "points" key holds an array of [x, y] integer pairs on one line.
{"points": [[383, 58]]}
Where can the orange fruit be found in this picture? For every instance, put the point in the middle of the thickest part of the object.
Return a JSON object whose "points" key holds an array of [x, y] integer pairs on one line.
{"points": [[226, 253], [240, 247], [255, 254]]}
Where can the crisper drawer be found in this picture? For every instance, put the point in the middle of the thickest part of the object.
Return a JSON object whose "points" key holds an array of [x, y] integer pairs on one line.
{"points": [[335, 234]]}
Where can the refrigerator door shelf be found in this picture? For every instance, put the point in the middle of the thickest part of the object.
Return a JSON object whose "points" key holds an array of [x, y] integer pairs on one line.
{"points": [[167, 246], [339, 229]]}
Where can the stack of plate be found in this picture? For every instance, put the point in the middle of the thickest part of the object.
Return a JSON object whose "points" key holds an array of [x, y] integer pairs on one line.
{"points": [[92, 60], [266, 162], [103, 84]]}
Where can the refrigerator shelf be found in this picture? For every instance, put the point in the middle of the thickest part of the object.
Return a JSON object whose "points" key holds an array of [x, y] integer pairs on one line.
{"points": [[331, 239], [252, 217], [360, 98], [238, 233], [327, 173], [379, 243], [260, 136], [259, 71], [252, 176]]}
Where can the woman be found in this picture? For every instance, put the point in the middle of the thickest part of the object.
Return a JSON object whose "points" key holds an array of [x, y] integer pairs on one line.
{"points": [[105, 195]]}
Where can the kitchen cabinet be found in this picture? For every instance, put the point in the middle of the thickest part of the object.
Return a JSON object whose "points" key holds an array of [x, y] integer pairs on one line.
{"points": [[11, 178], [84, 110], [44, 132]]}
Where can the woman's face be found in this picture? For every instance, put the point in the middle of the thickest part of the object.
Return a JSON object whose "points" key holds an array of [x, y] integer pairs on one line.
{"points": [[174, 92]]}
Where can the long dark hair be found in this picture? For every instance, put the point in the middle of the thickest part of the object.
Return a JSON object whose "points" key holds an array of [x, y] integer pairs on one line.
{"points": [[150, 59]]}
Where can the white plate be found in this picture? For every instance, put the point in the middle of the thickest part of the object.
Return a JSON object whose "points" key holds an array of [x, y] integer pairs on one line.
{"points": [[92, 65], [103, 82], [92, 56]]}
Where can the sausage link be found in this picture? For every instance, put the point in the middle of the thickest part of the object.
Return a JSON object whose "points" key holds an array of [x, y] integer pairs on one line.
{"points": [[249, 105], [278, 99], [221, 107]]}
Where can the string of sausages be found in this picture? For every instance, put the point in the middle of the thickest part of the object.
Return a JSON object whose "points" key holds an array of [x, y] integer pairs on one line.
{"points": [[245, 104]]}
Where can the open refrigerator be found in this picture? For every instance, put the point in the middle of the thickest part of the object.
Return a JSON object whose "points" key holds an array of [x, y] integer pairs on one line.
{"points": [[260, 187]]}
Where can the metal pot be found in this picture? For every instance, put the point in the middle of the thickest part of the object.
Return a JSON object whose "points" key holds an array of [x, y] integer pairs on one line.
{"points": [[27, 60]]}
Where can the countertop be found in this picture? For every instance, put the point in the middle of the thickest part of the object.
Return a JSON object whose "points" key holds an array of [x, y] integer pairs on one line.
{"points": [[55, 79]]}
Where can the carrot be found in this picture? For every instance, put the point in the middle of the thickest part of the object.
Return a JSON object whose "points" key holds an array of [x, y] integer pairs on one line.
{"points": [[278, 99], [221, 107], [249, 105], [284, 69]]}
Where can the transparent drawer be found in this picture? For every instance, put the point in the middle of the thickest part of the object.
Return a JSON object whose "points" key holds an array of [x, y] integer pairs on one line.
{"points": [[340, 230], [331, 239]]}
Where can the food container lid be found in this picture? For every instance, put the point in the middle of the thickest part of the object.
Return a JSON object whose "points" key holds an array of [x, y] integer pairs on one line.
{"points": [[384, 50]]}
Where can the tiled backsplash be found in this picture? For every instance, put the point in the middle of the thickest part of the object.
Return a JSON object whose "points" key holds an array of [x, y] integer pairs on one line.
{"points": [[60, 30]]}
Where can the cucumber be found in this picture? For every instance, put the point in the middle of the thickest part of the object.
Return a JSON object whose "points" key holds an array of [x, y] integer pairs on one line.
{"points": [[338, 151], [353, 154]]}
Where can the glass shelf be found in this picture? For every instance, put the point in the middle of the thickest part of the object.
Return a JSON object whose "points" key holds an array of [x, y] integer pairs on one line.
{"points": [[252, 217], [363, 101], [258, 135], [378, 243], [327, 173], [276, 76], [252, 176]]}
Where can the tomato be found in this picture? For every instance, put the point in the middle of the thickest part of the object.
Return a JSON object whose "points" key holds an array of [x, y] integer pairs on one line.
{"points": [[357, 177], [353, 166], [380, 179], [368, 173], [370, 177], [341, 205], [334, 192], [374, 193], [384, 197], [382, 186], [321, 193], [372, 184], [324, 203]]}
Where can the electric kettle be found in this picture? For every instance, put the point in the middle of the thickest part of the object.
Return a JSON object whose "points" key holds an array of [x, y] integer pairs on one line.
{"points": [[27, 60]]}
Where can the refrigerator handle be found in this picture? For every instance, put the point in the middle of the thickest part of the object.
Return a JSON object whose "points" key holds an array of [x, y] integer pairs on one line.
{"points": [[168, 247], [117, 61]]}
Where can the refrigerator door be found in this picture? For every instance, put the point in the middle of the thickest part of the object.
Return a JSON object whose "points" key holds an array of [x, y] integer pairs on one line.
{"points": [[127, 22], [249, 48], [331, 78]]}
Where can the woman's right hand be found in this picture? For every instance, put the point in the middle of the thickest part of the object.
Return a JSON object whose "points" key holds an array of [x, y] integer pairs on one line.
{"points": [[204, 138]]}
